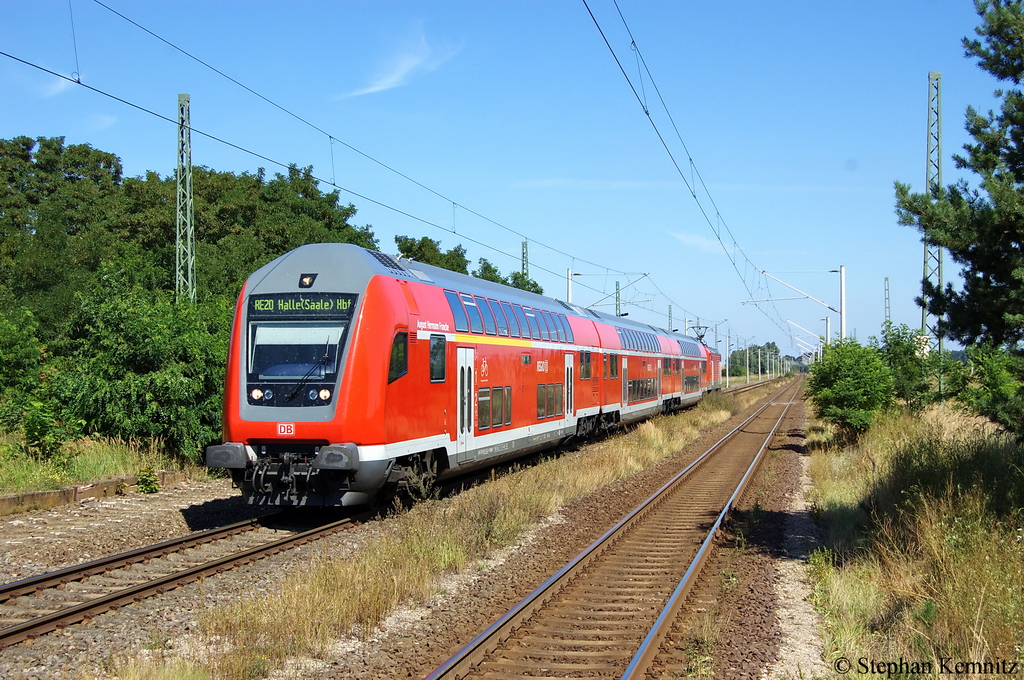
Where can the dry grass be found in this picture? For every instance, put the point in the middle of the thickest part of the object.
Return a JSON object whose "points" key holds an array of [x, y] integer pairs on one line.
{"points": [[336, 597], [925, 530]]}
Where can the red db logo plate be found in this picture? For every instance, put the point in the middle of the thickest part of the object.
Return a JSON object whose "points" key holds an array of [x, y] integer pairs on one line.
{"points": [[286, 429]]}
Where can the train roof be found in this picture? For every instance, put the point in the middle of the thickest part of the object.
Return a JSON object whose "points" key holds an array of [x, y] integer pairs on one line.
{"points": [[365, 263]]}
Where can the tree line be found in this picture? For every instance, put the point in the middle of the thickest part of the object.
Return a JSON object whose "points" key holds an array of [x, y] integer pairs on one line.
{"points": [[91, 340]]}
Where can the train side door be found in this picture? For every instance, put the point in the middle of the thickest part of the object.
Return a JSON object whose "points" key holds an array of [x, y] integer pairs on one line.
{"points": [[625, 382], [464, 440], [570, 387], [660, 398]]}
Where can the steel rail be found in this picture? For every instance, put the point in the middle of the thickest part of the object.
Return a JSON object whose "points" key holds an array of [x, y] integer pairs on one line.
{"points": [[78, 572], [473, 653], [649, 648], [74, 614]]}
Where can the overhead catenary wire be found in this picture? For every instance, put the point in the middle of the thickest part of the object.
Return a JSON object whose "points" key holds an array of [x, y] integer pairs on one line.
{"points": [[281, 164], [694, 173], [333, 181], [332, 139], [340, 141]]}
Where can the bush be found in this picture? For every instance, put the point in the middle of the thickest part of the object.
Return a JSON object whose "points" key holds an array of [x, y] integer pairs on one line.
{"points": [[849, 385], [145, 368], [997, 391]]}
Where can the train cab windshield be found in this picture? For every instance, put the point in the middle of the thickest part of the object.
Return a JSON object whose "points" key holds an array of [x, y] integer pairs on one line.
{"points": [[290, 351]]}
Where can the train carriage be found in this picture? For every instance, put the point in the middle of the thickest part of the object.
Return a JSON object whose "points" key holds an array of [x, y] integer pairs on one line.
{"points": [[350, 372]]}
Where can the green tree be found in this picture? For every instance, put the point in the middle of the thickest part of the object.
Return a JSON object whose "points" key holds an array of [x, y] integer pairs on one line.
{"points": [[143, 367], [523, 282], [981, 226], [850, 385], [487, 271], [429, 251], [906, 354], [996, 390], [87, 271]]}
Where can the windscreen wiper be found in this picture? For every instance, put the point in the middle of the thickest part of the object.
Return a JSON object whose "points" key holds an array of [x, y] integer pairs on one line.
{"points": [[322, 362]]}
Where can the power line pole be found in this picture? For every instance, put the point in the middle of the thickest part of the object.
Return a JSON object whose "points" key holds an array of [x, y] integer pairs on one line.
{"points": [[185, 230], [933, 180], [618, 310], [888, 309], [526, 259]]}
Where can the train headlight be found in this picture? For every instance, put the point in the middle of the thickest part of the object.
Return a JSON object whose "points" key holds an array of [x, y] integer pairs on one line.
{"points": [[268, 395], [256, 394], [325, 394], [312, 395]]}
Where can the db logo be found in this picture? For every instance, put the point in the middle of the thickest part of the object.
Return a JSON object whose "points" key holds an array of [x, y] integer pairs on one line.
{"points": [[286, 429]]}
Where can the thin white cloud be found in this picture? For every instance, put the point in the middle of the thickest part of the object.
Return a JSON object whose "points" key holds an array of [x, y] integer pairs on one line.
{"points": [[415, 57], [699, 242], [55, 87], [99, 122]]}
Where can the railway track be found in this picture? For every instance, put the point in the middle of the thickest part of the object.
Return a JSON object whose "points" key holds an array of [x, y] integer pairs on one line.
{"points": [[41, 604], [747, 387], [606, 613]]}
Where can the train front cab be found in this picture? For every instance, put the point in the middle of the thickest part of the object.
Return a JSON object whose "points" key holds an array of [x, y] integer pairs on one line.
{"points": [[304, 392]]}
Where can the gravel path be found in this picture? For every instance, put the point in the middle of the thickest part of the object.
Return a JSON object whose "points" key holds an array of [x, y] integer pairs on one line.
{"points": [[414, 640]]}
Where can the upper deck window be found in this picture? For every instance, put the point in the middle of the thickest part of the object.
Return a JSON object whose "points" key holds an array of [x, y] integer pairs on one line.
{"points": [[458, 311], [513, 323], [499, 316], [485, 310], [532, 321], [476, 324]]}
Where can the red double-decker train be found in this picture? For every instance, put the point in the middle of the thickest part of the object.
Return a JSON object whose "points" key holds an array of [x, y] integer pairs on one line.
{"points": [[350, 372]]}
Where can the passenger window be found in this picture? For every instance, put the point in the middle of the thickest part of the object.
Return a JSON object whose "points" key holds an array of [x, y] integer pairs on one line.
{"points": [[540, 401], [458, 311], [558, 399], [560, 322], [550, 405], [508, 405], [399, 365], [437, 358], [497, 406], [552, 327], [513, 324], [524, 326], [485, 309], [476, 324], [568, 328], [535, 319], [499, 316], [483, 408], [532, 320]]}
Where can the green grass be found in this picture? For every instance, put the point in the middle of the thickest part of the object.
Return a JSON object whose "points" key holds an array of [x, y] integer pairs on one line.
{"points": [[83, 461], [924, 555]]}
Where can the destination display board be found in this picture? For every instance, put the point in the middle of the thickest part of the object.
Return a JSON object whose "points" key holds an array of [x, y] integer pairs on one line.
{"points": [[301, 306]]}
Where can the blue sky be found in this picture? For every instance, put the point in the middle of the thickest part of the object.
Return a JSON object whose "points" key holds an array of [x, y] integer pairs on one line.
{"points": [[798, 117]]}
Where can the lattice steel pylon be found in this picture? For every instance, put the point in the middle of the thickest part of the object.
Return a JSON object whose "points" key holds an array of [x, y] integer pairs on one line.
{"points": [[933, 179], [185, 231]]}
